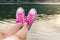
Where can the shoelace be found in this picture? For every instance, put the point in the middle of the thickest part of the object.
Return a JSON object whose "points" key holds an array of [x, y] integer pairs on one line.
{"points": [[29, 20], [20, 17]]}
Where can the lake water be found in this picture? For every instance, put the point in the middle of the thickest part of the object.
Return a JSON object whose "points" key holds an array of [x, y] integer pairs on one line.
{"points": [[8, 10]]}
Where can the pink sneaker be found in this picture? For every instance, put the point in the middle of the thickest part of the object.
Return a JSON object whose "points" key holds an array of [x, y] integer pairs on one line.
{"points": [[31, 17], [20, 15]]}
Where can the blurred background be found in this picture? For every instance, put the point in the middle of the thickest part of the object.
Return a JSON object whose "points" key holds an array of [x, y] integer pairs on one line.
{"points": [[47, 23], [8, 7]]}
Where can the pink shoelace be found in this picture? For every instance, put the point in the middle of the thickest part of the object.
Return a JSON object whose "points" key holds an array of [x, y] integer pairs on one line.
{"points": [[19, 17]]}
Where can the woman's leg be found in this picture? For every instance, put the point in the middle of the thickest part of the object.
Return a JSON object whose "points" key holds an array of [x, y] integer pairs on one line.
{"points": [[1, 36], [12, 30], [20, 35], [19, 22]]}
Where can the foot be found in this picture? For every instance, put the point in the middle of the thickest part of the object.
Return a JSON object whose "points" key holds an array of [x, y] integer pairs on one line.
{"points": [[31, 17], [20, 15]]}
